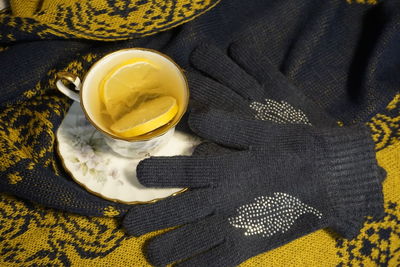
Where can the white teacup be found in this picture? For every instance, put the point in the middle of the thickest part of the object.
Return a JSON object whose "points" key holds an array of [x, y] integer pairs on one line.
{"points": [[89, 98]]}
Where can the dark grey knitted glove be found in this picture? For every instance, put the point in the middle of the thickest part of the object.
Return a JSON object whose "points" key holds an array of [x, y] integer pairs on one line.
{"points": [[246, 83], [284, 183]]}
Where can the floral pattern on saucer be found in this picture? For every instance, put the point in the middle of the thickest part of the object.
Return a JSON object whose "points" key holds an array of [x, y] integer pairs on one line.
{"points": [[87, 144], [87, 157]]}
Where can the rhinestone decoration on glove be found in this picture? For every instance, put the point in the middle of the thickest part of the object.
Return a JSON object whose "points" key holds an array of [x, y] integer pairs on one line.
{"points": [[269, 215], [277, 112]]}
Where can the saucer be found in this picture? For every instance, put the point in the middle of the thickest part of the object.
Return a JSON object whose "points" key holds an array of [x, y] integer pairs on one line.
{"points": [[92, 164]]}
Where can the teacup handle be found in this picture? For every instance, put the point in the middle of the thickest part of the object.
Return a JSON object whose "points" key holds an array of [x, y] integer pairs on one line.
{"points": [[64, 89]]}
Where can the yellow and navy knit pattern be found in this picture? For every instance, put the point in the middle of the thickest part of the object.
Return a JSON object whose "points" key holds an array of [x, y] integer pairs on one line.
{"points": [[34, 235], [106, 20], [27, 147], [368, 2]]}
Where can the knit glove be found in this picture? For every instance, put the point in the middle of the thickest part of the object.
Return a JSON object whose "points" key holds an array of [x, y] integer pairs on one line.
{"points": [[285, 182], [246, 83]]}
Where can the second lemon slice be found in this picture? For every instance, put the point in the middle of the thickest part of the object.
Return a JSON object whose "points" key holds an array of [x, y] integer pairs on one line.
{"points": [[123, 86], [147, 117]]}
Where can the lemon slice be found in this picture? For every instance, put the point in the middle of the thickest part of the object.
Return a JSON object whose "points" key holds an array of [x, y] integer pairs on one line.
{"points": [[124, 85], [147, 117]]}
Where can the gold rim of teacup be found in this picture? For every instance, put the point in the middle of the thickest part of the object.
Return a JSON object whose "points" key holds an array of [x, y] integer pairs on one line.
{"points": [[145, 137], [72, 78]]}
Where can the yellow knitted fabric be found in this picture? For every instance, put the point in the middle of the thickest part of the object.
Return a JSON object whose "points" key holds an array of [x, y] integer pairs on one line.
{"points": [[15, 144], [101, 19], [25, 8], [32, 234], [35, 235], [368, 2]]}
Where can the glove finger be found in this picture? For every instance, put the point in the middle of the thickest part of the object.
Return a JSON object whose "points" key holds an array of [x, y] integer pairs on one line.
{"points": [[211, 93], [209, 148], [216, 64], [185, 242], [184, 171], [256, 64], [279, 89], [228, 130], [173, 211], [276, 85], [221, 256]]}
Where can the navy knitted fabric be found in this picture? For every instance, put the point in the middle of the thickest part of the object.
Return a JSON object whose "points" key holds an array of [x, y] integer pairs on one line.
{"points": [[342, 56], [285, 182], [272, 160], [246, 83], [288, 32]]}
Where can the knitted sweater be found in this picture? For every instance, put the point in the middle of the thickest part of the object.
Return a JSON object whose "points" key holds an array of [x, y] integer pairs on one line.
{"points": [[31, 111]]}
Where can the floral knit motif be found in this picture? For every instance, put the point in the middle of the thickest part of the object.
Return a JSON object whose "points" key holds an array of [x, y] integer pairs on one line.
{"points": [[105, 20]]}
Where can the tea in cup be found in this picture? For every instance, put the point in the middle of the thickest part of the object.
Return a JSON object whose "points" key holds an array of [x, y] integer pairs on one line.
{"points": [[135, 97]]}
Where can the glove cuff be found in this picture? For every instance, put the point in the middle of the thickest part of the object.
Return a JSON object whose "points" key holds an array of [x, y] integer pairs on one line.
{"points": [[353, 178]]}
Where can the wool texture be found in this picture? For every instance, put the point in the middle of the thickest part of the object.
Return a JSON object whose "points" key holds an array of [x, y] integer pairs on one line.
{"points": [[106, 20], [246, 83], [341, 55], [246, 202], [260, 187]]}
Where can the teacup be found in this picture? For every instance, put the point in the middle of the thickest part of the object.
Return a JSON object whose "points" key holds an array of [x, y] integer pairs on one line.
{"points": [[89, 98]]}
